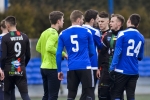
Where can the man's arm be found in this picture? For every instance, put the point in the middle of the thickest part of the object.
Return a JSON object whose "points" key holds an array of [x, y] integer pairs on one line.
{"points": [[27, 54], [91, 44], [118, 50], [59, 53], [50, 44], [38, 45], [141, 53], [97, 40], [4, 53]]}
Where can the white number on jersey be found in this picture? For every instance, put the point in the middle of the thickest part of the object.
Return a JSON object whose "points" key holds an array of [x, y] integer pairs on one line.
{"points": [[17, 48], [76, 48], [132, 47]]}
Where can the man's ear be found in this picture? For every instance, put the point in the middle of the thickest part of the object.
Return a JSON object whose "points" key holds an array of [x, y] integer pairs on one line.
{"points": [[92, 20], [58, 21], [78, 20], [137, 26]]}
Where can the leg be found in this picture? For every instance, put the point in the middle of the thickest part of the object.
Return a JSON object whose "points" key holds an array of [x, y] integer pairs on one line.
{"points": [[53, 84], [9, 85], [24, 96], [83, 95], [73, 82], [13, 94], [21, 83], [130, 87], [88, 84], [45, 84], [1, 90], [7, 95], [104, 86], [119, 84]]}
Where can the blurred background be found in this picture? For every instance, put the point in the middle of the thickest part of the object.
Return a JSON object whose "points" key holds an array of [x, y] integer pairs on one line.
{"points": [[33, 18]]}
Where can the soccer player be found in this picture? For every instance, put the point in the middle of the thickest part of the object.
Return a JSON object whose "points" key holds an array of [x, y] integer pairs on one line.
{"points": [[129, 49], [47, 46], [15, 57], [78, 42], [106, 54], [91, 17], [4, 32]]}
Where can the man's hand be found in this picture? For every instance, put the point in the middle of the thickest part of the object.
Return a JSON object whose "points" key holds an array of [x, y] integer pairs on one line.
{"points": [[98, 74], [112, 74], [1, 74], [65, 56], [60, 76]]}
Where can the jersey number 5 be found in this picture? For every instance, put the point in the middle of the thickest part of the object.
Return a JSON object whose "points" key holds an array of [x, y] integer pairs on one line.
{"points": [[17, 48], [76, 48], [132, 47]]}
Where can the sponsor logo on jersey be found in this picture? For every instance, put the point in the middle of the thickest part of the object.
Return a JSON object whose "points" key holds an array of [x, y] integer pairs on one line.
{"points": [[15, 68], [16, 38]]}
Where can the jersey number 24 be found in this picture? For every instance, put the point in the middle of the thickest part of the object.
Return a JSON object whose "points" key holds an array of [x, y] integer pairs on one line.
{"points": [[133, 47]]}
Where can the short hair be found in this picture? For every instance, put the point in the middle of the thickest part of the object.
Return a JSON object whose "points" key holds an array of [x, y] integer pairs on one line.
{"points": [[54, 16], [11, 20], [135, 19], [90, 14], [2, 24], [103, 14], [75, 15], [119, 17]]}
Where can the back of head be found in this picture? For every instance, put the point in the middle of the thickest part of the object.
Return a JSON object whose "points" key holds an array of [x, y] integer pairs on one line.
{"points": [[2, 24], [54, 16], [75, 15], [135, 19], [104, 14], [90, 14], [11, 20], [119, 17]]}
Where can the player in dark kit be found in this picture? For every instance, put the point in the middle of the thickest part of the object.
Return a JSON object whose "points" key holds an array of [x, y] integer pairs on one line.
{"points": [[15, 57], [107, 52], [4, 32]]}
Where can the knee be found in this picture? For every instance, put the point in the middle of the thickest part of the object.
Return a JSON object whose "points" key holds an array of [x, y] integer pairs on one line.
{"points": [[72, 94], [89, 98]]}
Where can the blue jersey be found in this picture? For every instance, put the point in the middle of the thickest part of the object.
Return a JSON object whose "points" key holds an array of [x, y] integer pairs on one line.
{"points": [[129, 49], [97, 43], [78, 42]]}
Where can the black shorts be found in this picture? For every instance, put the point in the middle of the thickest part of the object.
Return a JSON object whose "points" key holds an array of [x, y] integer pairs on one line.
{"points": [[123, 81], [19, 81], [74, 77]]}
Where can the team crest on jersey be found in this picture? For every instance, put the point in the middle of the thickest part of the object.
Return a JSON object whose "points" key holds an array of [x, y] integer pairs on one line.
{"points": [[15, 68], [115, 38], [108, 38]]}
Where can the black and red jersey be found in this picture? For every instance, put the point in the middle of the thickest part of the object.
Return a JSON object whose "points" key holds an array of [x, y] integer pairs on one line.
{"points": [[15, 50], [106, 53]]}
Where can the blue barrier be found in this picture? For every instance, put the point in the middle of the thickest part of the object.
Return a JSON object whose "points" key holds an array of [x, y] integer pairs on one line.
{"points": [[34, 75]]}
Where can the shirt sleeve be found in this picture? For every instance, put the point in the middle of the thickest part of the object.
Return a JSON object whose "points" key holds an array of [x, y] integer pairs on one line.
{"points": [[91, 44], [27, 53], [118, 50], [141, 53], [97, 39], [59, 53], [4, 53], [50, 44], [38, 45]]}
